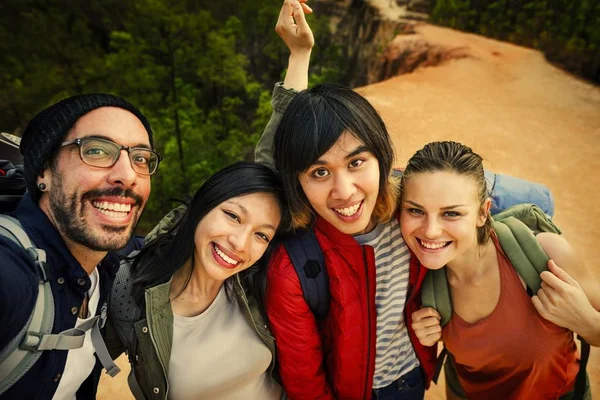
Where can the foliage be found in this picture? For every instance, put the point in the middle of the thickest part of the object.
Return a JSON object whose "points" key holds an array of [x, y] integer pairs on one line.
{"points": [[567, 31], [202, 71]]}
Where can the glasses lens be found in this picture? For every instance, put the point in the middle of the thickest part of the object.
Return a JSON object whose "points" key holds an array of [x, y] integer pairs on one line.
{"points": [[143, 161], [98, 152]]}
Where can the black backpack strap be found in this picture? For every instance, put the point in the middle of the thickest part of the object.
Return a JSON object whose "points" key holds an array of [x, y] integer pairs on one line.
{"points": [[580, 381], [122, 308], [439, 364], [308, 261]]}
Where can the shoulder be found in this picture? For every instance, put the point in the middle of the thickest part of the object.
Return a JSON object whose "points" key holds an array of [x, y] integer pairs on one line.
{"points": [[280, 265], [18, 290], [16, 267], [557, 247]]}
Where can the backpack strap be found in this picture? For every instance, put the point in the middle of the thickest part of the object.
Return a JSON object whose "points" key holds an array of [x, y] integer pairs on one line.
{"points": [[21, 353], [523, 250], [122, 308], [307, 257], [25, 349], [124, 313], [435, 294]]}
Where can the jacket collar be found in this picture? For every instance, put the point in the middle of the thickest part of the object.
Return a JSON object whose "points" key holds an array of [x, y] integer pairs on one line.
{"points": [[333, 234]]}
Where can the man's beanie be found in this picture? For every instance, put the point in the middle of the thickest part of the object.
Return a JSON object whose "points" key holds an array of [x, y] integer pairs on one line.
{"points": [[47, 130]]}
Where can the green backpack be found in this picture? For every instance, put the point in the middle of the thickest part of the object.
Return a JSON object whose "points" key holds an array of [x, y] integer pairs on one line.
{"points": [[515, 228]]}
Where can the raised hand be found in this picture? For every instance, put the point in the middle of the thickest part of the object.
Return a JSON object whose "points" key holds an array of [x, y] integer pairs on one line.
{"points": [[426, 324], [293, 28], [562, 301]]}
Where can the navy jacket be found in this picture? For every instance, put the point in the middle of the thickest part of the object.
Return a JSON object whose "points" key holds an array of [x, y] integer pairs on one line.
{"points": [[18, 291]]}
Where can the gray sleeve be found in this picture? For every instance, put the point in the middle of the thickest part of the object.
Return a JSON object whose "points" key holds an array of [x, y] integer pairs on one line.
{"points": [[263, 153]]}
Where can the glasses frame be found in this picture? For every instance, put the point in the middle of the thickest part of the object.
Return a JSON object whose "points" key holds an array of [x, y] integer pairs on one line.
{"points": [[79, 141]]}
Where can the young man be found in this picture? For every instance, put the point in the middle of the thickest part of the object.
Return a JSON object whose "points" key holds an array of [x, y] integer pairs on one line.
{"points": [[87, 161]]}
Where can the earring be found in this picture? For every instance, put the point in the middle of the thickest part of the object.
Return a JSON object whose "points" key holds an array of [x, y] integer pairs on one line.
{"points": [[42, 186]]}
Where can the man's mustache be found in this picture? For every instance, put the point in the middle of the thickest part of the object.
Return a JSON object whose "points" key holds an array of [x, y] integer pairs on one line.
{"points": [[114, 192]]}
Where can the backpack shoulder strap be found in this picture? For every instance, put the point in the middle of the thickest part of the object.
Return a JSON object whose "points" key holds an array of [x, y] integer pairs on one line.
{"points": [[531, 215], [523, 250], [307, 257], [21, 354], [435, 294], [122, 308], [25, 348]]}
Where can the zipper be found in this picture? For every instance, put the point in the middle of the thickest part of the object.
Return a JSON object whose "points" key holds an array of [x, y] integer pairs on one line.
{"points": [[368, 322], [151, 333]]}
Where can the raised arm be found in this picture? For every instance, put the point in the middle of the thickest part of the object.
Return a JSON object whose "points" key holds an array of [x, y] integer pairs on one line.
{"points": [[298, 37], [295, 32], [299, 348], [570, 295]]}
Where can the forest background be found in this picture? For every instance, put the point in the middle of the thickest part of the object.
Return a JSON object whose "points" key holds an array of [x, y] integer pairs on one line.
{"points": [[202, 71]]}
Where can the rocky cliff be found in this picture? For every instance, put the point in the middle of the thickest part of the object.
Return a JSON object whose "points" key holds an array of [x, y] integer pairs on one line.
{"points": [[377, 47]]}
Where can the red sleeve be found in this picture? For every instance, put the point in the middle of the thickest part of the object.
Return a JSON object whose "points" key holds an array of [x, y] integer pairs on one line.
{"points": [[296, 333]]}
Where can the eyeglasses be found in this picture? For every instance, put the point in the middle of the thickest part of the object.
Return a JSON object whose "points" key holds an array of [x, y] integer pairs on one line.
{"points": [[103, 153]]}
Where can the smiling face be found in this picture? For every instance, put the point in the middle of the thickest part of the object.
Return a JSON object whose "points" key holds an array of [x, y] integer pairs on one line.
{"points": [[343, 184], [440, 216], [97, 207], [235, 234]]}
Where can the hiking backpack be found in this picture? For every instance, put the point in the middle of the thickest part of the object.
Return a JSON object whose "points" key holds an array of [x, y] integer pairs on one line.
{"points": [[515, 228], [12, 179], [36, 336]]}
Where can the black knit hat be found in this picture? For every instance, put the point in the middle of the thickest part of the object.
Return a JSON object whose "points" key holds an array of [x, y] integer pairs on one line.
{"points": [[47, 130]]}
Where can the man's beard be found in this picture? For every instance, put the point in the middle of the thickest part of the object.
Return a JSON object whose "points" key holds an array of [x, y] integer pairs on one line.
{"points": [[71, 222]]}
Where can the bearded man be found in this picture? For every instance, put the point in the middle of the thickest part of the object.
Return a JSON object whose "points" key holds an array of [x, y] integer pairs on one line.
{"points": [[87, 162]]}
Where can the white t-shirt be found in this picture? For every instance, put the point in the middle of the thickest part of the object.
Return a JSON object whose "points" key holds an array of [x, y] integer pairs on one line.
{"points": [[80, 362], [217, 355]]}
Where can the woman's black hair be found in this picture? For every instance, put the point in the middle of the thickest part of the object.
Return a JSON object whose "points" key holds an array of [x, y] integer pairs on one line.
{"points": [[312, 123], [160, 259]]}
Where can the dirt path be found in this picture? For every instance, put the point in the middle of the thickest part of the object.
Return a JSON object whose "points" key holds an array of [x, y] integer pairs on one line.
{"points": [[524, 116]]}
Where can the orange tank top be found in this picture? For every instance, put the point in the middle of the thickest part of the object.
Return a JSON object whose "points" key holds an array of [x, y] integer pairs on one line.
{"points": [[513, 353]]}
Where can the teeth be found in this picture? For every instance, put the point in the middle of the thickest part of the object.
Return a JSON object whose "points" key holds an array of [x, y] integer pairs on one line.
{"points": [[114, 214], [106, 206], [224, 256], [433, 246], [348, 211]]}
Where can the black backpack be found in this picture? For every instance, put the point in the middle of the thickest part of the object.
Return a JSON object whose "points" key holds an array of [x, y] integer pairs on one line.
{"points": [[12, 179]]}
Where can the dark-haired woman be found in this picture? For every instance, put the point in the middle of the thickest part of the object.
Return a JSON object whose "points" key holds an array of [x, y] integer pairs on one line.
{"points": [[187, 310]]}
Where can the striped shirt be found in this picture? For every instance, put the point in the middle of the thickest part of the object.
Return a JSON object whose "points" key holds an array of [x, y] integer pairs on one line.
{"points": [[395, 355]]}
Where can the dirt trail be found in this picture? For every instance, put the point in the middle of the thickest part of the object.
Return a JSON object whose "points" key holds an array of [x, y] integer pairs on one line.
{"points": [[524, 116]]}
